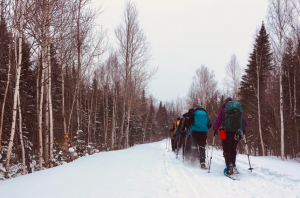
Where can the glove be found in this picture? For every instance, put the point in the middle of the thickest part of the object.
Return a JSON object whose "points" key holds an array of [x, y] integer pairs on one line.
{"points": [[216, 132]]}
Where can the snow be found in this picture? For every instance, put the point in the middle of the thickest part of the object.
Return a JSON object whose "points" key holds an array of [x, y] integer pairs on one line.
{"points": [[71, 150], [150, 170]]}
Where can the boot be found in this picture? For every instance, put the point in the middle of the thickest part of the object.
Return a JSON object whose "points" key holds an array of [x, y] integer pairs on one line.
{"points": [[229, 170], [235, 170], [203, 166]]}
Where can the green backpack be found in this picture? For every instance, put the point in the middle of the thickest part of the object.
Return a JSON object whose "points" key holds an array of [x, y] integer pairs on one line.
{"points": [[233, 117]]}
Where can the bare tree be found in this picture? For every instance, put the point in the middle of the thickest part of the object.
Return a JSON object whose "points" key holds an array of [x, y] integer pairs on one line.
{"points": [[204, 86], [16, 92], [234, 73], [134, 53], [13, 29], [278, 17]]}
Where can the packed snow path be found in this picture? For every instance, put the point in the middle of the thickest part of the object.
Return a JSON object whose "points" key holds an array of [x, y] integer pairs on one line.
{"points": [[150, 170]]}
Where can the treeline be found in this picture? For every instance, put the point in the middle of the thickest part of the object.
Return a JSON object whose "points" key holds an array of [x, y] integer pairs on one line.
{"points": [[268, 86], [64, 93]]}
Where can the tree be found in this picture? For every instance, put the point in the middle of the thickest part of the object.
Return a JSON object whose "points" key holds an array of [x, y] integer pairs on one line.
{"points": [[278, 18], [134, 53], [203, 87], [16, 92], [253, 85], [233, 72]]}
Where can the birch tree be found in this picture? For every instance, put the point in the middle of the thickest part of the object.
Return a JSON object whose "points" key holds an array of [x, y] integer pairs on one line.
{"points": [[16, 92], [278, 17], [233, 74], [134, 53]]}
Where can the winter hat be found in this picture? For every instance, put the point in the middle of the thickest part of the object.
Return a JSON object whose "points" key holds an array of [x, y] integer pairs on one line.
{"points": [[198, 106], [228, 99], [178, 118]]}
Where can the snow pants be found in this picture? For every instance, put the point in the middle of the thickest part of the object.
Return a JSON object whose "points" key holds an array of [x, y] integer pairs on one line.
{"points": [[199, 139], [229, 148], [181, 139], [173, 144]]}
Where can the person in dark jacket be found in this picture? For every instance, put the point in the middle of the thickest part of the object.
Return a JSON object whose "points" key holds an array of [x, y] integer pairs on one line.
{"points": [[199, 130], [231, 142], [173, 136], [185, 127]]}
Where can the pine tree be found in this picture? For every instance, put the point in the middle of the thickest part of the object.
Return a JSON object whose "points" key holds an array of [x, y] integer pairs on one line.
{"points": [[254, 87]]}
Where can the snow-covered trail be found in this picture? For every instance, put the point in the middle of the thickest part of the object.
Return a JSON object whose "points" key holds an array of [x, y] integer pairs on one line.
{"points": [[149, 170]]}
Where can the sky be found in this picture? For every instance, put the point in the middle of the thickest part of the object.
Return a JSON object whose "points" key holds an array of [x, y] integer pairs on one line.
{"points": [[185, 34]]}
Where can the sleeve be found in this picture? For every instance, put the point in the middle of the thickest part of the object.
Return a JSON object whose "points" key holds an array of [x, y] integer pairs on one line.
{"points": [[219, 120]]}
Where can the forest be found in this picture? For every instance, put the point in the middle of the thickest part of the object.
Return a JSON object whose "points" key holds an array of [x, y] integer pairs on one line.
{"points": [[65, 92]]}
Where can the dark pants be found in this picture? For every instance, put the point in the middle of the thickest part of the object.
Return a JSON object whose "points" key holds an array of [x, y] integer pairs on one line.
{"points": [[173, 144], [199, 139], [229, 148], [181, 139]]}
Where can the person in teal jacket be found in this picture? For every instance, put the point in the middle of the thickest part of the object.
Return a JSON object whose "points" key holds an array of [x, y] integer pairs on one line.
{"points": [[201, 124]]}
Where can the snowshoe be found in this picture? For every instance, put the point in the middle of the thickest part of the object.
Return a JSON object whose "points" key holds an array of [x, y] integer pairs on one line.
{"points": [[232, 176]]}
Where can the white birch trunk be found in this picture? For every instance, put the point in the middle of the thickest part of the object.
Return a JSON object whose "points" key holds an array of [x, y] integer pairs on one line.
{"points": [[40, 122], [258, 66], [259, 119], [103, 105], [113, 122], [106, 117], [21, 137], [16, 93], [281, 98], [46, 112], [51, 142]]}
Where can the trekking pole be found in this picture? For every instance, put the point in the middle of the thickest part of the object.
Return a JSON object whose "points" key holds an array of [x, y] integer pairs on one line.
{"points": [[247, 151], [212, 147], [183, 149], [166, 142], [207, 148]]}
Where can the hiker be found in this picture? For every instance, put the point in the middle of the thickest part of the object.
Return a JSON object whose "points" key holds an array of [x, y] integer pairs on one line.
{"points": [[232, 120], [178, 133], [173, 139], [199, 132], [187, 123]]}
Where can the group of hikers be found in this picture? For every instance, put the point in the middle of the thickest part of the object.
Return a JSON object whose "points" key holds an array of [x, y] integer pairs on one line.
{"points": [[190, 131]]}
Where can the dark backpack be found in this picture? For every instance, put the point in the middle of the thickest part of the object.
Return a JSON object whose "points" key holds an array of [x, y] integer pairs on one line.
{"points": [[233, 117]]}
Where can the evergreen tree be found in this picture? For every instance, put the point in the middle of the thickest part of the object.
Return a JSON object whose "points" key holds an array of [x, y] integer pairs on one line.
{"points": [[257, 73]]}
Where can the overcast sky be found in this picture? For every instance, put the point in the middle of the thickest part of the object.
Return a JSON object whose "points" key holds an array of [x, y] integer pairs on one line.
{"points": [[184, 34]]}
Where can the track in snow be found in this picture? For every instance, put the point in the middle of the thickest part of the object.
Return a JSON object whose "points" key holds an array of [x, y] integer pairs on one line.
{"points": [[149, 170]]}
